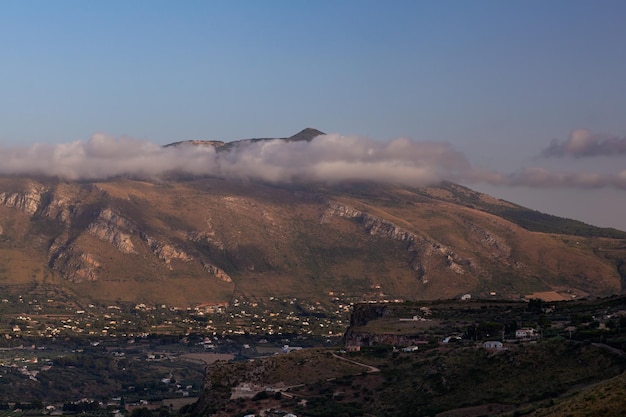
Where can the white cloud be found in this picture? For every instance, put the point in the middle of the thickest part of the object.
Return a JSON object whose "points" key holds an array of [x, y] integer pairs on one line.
{"points": [[584, 143], [327, 158]]}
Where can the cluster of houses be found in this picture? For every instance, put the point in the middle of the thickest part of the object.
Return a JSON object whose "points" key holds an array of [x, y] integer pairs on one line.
{"points": [[521, 335], [355, 342]]}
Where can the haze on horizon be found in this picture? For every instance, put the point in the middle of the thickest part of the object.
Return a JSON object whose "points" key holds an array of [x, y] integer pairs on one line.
{"points": [[522, 99]]}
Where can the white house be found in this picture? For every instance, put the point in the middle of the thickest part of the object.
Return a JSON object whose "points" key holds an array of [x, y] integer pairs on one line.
{"points": [[493, 344], [525, 333]]}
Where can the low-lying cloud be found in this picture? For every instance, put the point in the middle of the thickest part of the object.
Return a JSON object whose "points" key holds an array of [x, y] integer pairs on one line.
{"points": [[584, 143], [327, 158], [544, 178]]}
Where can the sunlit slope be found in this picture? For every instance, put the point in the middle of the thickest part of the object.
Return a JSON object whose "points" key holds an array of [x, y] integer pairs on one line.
{"points": [[191, 241]]}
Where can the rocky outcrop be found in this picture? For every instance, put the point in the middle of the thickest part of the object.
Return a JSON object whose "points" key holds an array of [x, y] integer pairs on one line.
{"points": [[497, 246], [422, 247], [63, 203], [205, 236], [57, 246], [76, 266], [60, 209], [108, 227], [217, 272], [88, 268], [166, 252], [27, 201]]}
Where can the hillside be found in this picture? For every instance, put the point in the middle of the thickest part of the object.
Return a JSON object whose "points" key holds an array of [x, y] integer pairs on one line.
{"points": [[191, 240], [438, 364]]}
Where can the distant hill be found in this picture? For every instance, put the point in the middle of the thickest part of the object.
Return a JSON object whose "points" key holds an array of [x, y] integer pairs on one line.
{"points": [[185, 241], [529, 219], [307, 134]]}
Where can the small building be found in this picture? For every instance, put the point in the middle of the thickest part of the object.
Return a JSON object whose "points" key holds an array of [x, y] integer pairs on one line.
{"points": [[526, 333], [493, 345], [288, 349], [452, 339], [414, 318]]}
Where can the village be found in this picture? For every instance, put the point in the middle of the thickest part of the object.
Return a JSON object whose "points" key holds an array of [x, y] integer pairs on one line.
{"points": [[154, 356], [49, 318]]}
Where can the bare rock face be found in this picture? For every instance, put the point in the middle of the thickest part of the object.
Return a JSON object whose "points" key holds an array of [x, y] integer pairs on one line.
{"points": [[495, 244], [27, 201], [88, 267], [217, 272], [107, 227], [59, 209], [76, 266], [63, 204], [166, 252]]}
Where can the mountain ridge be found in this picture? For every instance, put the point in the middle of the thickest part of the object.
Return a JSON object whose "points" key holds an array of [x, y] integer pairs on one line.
{"points": [[306, 134], [193, 240]]}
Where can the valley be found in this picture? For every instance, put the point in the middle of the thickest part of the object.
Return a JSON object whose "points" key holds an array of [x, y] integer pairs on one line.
{"points": [[189, 295], [445, 358]]}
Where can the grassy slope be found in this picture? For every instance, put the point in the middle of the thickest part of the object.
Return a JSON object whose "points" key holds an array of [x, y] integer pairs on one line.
{"points": [[469, 377], [607, 398], [470, 380], [553, 375]]}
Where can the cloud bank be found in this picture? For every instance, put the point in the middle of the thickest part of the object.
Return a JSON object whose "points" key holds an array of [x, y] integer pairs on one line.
{"points": [[327, 158], [544, 178], [583, 143]]}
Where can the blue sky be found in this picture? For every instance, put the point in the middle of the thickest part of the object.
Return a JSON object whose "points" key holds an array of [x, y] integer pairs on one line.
{"points": [[497, 81]]}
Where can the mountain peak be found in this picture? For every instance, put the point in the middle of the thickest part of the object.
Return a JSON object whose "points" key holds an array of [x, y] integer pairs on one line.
{"points": [[306, 134]]}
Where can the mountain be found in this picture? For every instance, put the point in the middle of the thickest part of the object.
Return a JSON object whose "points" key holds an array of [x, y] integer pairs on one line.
{"points": [[192, 240], [307, 135]]}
